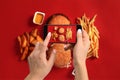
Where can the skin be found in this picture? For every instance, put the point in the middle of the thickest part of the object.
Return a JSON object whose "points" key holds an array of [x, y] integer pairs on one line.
{"points": [[79, 55], [40, 66]]}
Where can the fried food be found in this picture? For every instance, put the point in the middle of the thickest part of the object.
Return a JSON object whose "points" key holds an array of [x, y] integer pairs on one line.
{"points": [[58, 19], [61, 30], [61, 38], [88, 25], [54, 35], [62, 33], [27, 42], [56, 28], [63, 57], [69, 34]]}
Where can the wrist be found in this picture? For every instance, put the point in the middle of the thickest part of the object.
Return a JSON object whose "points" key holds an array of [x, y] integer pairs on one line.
{"points": [[32, 76], [79, 63]]}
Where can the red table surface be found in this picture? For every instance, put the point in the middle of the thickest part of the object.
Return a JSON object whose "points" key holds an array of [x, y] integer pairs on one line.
{"points": [[16, 17]]}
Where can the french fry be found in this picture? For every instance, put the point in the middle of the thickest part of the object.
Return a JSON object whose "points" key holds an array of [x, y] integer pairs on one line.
{"points": [[39, 39], [19, 40], [27, 35], [27, 43], [34, 32], [24, 41], [68, 33], [21, 50], [31, 38], [25, 52], [88, 25], [93, 19], [34, 42]]}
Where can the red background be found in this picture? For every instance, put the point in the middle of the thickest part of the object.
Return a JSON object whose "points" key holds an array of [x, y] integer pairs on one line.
{"points": [[16, 17]]}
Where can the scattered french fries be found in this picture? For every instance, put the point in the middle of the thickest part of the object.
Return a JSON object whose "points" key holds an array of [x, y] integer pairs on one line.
{"points": [[27, 42], [88, 25]]}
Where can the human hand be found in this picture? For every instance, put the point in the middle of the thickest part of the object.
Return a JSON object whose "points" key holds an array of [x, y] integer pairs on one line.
{"points": [[38, 64], [79, 55], [81, 47]]}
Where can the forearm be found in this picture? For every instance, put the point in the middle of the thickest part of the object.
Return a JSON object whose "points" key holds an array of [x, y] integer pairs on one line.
{"points": [[33, 77], [81, 71]]}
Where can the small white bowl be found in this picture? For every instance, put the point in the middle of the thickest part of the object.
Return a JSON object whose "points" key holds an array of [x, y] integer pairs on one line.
{"points": [[38, 18]]}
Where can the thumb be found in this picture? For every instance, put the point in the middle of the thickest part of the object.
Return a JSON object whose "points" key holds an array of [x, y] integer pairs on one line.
{"points": [[52, 58], [79, 36]]}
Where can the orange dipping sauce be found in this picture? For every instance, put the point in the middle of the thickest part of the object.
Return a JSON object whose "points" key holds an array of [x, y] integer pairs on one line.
{"points": [[38, 18]]}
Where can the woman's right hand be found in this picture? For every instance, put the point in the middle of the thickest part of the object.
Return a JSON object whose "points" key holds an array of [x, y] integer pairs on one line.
{"points": [[79, 55], [81, 47]]}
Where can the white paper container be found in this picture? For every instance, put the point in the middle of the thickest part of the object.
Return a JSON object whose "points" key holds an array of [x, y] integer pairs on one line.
{"points": [[41, 19]]}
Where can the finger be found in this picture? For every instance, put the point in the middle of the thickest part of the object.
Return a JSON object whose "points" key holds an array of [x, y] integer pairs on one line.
{"points": [[52, 58], [37, 46], [85, 36], [46, 41], [69, 46], [79, 36], [36, 49]]}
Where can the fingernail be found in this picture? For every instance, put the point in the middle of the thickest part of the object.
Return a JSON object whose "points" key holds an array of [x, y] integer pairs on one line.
{"points": [[49, 34], [79, 31]]}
